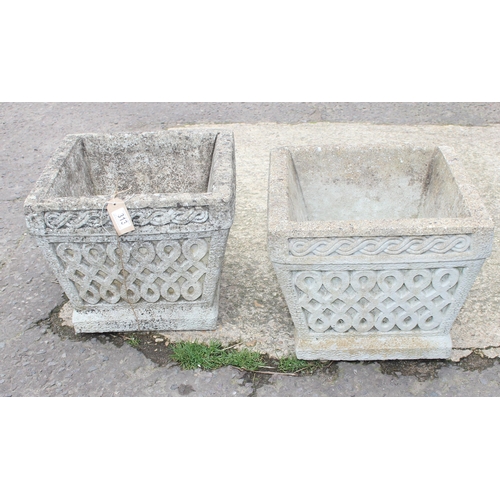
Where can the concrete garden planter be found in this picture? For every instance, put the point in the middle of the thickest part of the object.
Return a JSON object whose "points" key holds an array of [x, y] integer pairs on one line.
{"points": [[179, 188], [375, 248]]}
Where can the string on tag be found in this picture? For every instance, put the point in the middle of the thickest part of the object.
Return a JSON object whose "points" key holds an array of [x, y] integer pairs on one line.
{"points": [[120, 217], [123, 224], [120, 253], [109, 201]]}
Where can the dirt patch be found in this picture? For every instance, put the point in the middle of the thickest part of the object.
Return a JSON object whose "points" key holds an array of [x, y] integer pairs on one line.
{"points": [[257, 380], [331, 368], [429, 369], [421, 369], [55, 324], [476, 362], [153, 346]]}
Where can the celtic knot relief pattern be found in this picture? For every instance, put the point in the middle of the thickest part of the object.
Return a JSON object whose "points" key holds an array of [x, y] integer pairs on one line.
{"points": [[374, 246], [172, 270], [76, 220], [384, 301], [161, 217], [143, 217]]}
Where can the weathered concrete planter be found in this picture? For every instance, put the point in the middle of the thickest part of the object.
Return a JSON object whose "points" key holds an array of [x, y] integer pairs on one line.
{"points": [[375, 248], [165, 274]]}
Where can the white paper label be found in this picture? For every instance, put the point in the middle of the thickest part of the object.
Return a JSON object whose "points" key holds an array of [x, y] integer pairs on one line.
{"points": [[122, 219]]}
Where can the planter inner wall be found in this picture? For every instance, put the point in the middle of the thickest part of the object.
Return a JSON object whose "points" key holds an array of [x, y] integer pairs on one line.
{"points": [[139, 163], [343, 183]]}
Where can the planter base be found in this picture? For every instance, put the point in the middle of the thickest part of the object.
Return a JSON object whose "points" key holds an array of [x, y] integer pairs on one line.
{"points": [[189, 317], [375, 347]]}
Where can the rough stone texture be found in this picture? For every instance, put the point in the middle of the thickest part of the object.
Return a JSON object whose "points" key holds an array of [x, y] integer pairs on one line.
{"points": [[180, 188], [375, 247]]}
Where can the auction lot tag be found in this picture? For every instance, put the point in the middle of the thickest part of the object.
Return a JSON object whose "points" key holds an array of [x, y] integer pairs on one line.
{"points": [[119, 216]]}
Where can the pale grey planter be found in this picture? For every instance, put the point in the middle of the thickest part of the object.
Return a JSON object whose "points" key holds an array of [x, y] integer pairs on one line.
{"points": [[181, 200], [375, 248]]}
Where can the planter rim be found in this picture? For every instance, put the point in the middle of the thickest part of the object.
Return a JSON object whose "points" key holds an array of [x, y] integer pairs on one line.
{"points": [[215, 206], [281, 225], [221, 190]]}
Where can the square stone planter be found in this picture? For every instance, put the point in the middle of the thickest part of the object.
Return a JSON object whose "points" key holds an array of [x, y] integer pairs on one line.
{"points": [[375, 248], [180, 193]]}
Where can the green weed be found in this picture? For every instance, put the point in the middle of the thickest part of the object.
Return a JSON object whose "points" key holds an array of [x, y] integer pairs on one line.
{"points": [[133, 341], [191, 355], [244, 359], [292, 365]]}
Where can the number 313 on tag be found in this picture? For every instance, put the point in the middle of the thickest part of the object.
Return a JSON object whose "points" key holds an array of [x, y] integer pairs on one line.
{"points": [[120, 217]]}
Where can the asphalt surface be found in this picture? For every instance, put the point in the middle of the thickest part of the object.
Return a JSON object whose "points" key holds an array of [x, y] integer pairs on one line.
{"points": [[38, 359]]}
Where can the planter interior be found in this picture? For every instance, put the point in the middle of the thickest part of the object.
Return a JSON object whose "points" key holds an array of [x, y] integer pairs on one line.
{"points": [[371, 183], [138, 163]]}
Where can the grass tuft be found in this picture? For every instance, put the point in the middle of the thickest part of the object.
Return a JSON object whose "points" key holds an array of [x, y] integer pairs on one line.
{"points": [[133, 341], [293, 365], [191, 355], [244, 359]]}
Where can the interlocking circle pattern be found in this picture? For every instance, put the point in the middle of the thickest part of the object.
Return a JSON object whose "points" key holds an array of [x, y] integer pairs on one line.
{"points": [[381, 300], [167, 269]]}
